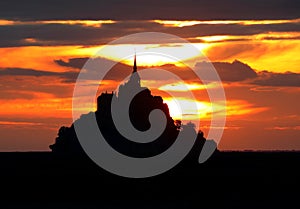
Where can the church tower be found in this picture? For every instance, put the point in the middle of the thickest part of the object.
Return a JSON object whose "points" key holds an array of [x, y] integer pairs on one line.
{"points": [[134, 64], [135, 78], [133, 83]]}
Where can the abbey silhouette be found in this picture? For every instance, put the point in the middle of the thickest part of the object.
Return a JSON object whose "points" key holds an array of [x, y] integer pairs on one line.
{"points": [[140, 107]]}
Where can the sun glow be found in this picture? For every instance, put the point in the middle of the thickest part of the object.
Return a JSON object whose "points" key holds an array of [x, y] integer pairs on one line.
{"points": [[186, 109], [182, 87], [29, 57], [212, 38], [152, 54]]}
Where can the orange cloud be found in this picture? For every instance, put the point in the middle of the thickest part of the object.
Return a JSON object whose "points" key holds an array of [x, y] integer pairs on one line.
{"points": [[89, 23], [42, 57], [6, 22], [284, 128], [19, 123], [240, 108], [260, 55], [40, 107]]}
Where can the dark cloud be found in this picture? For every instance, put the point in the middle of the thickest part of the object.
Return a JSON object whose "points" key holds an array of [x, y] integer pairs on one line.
{"points": [[11, 95], [118, 72], [20, 84], [228, 72], [66, 76], [50, 34], [238, 71], [145, 10], [278, 79], [66, 34], [232, 29], [235, 71], [77, 63]]}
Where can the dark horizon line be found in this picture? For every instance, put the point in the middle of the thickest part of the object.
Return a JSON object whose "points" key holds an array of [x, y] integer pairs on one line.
{"points": [[223, 151]]}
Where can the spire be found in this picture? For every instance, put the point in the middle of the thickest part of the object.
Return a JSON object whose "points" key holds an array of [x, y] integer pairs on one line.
{"points": [[134, 65], [135, 78]]}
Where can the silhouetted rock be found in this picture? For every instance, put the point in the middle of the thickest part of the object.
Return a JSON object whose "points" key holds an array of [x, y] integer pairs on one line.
{"points": [[139, 110]]}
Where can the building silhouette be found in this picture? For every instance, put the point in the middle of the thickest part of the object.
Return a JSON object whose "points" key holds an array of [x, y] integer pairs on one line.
{"points": [[142, 103]]}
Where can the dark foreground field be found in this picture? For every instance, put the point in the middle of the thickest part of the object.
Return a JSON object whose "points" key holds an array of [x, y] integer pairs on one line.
{"points": [[227, 180]]}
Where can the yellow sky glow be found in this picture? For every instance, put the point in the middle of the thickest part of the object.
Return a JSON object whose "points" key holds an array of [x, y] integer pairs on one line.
{"points": [[257, 37], [6, 22], [184, 23], [188, 110], [167, 23], [151, 54], [259, 54], [89, 23], [182, 87]]}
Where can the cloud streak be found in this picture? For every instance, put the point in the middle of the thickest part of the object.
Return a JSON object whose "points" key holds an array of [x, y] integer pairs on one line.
{"points": [[71, 32], [229, 72], [235, 71], [66, 76], [238, 72], [278, 79]]}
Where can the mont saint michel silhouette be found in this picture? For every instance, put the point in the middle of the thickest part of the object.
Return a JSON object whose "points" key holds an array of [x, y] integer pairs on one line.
{"points": [[140, 107]]}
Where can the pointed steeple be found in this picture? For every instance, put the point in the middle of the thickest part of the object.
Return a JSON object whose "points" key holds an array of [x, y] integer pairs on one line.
{"points": [[134, 65], [135, 78]]}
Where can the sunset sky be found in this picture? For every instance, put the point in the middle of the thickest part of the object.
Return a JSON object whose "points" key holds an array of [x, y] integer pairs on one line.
{"points": [[254, 46]]}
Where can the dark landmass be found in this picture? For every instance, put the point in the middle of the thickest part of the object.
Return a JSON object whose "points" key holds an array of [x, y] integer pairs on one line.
{"points": [[226, 180]]}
